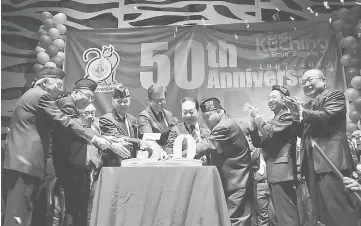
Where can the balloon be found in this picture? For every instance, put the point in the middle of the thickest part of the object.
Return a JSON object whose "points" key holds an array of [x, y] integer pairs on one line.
{"points": [[42, 32], [338, 24], [351, 127], [348, 41], [59, 43], [60, 18], [352, 72], [61, 28], [356, 10], [54, 33], [351, 94], [348, 30], [355, 62], [49, 23], [58, 61], [342, 13], [39, 49], [52, 50], [42, 57], [45, 15], [339, 36], [354, 50], [354, 116], [356, 82], [351, 18], [346, 60], [61, 55], [50, 64], [45, 41], [62, 37], [38, 67], [357, 104], [42, 27]]}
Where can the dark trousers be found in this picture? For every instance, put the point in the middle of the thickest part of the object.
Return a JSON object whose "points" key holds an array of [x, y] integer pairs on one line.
{"points": [[76, 184], [304, 204], [334, 205], [239, 204], [261, 204], [25, 199], [285, 203]]}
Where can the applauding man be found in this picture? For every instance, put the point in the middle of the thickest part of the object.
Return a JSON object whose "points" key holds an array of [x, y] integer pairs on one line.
{"points": [[323, 120], [279, 142]]}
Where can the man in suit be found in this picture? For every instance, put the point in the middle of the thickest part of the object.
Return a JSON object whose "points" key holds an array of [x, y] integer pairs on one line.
{"points": [[189, 125], [70, 153], [120, 124], [230, 153], [156, 119], [323, 120], [27, 147], [279, 142]]}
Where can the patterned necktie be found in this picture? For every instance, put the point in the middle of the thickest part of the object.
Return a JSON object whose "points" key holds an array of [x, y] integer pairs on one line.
{"points": [[194, 133]]}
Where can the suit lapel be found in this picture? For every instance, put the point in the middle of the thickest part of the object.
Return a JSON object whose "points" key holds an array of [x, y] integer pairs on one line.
{"points": [[183, 128], [154, 118], [120, 125]]}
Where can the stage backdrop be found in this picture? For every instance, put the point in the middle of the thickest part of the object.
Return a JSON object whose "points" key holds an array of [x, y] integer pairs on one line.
{"points": [[237, 63]]}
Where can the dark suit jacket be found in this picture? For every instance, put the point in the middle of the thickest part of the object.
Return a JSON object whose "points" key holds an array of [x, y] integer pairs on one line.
{"points": [[174, 132], [27, 143], [230, 153], [148, 123], [278, 140], [68, 148], [111, 125], [325, 123]]}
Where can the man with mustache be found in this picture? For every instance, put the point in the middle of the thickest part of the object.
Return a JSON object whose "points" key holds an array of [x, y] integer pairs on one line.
{"points": [[323, 120], [279, 142]]}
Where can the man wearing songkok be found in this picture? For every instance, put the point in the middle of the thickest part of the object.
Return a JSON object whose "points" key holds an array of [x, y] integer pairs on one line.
{"points": [[70, 153], [278, 140], [156, 119], [323, 120], [27, 147], [120, 124], [230, 153], [189, 125]]}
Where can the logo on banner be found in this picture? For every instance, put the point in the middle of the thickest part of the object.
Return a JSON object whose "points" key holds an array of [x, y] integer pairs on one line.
{"points": [[101, 67]]}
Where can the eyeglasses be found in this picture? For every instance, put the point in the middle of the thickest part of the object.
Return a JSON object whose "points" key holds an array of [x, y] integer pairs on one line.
{"points": [[159, 101], [88, 95], [309, 80]]}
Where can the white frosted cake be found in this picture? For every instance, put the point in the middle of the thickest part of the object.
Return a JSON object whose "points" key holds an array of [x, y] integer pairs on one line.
{"points": [[170, 162]]}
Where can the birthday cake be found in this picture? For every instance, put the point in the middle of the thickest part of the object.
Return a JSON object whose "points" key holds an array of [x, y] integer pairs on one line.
{"points": [[169, 162]]}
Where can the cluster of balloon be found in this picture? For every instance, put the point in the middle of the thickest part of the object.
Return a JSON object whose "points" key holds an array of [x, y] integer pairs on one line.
{"points": [[50, 49], [347, 26]]}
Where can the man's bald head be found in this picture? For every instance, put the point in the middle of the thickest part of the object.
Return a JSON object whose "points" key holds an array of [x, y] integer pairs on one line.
{"points": [[313, 82], [314, 72]]}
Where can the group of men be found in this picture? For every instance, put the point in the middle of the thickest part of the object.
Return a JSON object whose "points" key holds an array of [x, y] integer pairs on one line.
{"points": [[47, 131]]}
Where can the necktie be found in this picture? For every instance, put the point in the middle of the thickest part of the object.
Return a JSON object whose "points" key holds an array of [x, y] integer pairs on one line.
{"points": [[194, 133], [262, 165]]}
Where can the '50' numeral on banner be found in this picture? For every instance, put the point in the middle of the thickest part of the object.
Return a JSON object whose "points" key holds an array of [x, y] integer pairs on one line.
{"points": [[152, 53]]}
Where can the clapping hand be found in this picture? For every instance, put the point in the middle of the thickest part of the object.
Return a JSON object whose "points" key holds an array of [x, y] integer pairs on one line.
{"points": [[293, 104], [252, 110]]}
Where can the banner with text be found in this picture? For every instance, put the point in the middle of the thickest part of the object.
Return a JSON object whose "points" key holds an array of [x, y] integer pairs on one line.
{"points": [[237, 63]]}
